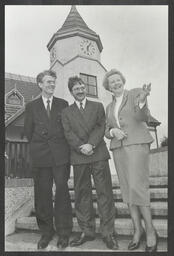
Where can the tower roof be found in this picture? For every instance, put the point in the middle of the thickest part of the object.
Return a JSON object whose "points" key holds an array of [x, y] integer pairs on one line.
{"points": [[74, 25], [74, 21]]}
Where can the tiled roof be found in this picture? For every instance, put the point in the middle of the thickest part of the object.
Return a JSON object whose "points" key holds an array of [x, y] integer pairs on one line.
{"points": [[25, 85], [14, 116], [10, 111], [20, 77]]}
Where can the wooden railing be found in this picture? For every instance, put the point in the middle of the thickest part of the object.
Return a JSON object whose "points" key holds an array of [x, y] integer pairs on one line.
{"points": [[17, 162]]}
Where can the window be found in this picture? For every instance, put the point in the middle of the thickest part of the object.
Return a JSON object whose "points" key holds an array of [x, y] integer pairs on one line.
{"points": [[91, 83]]}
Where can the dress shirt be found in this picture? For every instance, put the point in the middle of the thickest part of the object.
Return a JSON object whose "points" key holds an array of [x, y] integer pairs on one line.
{"points": [[83, 103], [45, 101], [117, 106]]}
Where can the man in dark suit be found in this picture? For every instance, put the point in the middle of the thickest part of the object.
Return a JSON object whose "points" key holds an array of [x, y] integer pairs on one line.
{"points": [[49, 153], [84, 126]]}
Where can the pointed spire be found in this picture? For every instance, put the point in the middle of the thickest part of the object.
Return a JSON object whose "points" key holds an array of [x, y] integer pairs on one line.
{"points": [[73, 8], [74, 21], [74, 25]]}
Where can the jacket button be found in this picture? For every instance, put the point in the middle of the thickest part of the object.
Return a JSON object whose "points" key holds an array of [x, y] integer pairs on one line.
{"points": [[44, 133]]}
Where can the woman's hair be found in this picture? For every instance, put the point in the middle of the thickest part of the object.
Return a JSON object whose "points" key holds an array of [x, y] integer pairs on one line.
{"points": [[110, 73]]}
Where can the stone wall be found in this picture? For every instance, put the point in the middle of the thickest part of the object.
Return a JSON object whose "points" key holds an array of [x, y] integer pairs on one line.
{"points": [[18, 202]]}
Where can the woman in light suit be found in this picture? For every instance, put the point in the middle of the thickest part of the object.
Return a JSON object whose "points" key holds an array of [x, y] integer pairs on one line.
{"points": [[130, 142]]}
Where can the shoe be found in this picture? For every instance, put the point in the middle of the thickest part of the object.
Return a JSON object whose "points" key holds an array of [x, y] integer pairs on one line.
{"points": [[62, 242], [44, 241], [111, 242], [81, 240], [135, 245], [154, 247]]}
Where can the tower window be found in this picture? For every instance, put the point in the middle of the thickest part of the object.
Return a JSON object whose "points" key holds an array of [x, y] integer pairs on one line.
{"points": [[91, 83]]}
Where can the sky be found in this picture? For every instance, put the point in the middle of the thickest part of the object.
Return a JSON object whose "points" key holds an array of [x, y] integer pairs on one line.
{"points": [[134, 38]]}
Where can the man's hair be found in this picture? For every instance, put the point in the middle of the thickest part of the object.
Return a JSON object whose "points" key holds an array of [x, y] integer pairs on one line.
{"points": [[41, 75], [73, 81]]}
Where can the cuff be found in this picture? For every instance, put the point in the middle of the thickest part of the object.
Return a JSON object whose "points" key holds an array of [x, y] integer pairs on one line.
{"points": [[141, 104], [111, 133]]}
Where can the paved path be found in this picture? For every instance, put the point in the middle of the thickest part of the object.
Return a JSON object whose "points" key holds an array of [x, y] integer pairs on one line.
{"points": [[27, 241]]}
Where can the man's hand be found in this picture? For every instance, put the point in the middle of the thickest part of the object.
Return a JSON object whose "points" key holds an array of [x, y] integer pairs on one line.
{"points": [[118, 133], [144, 92], [86, 149], [6, 156]]}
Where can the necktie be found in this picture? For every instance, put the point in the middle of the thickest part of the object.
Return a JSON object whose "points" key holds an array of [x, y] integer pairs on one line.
{"points": [[81, 108], [48, 108]]}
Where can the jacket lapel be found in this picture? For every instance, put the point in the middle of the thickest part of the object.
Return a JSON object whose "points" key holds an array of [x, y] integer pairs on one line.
{"points": [[87, 112], [124, 100], [54, 108], [112, 113], [42, 114], [78, 116]]}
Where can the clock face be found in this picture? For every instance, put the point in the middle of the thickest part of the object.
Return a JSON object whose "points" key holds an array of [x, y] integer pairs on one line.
{"points": [[53, 54], [87, 47]]}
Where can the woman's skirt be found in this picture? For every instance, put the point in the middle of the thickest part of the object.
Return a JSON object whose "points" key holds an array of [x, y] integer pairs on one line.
{"points": [[132, 166]]}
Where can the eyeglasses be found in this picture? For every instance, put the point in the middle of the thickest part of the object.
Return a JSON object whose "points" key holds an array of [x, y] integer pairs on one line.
{"points": [[78, 89]]}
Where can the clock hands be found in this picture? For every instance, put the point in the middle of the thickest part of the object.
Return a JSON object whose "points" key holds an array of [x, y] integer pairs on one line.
{"points": [[87, 47]]}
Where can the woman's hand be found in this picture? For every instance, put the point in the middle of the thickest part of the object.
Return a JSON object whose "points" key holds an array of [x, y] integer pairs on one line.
{"points": [[118, 133], [144, 92]]}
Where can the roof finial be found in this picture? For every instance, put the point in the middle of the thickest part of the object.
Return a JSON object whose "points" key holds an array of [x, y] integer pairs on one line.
{"points": [[73, 8]]}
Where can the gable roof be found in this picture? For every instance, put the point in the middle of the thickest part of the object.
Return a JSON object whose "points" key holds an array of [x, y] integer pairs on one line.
{"points": [[24, 85]]}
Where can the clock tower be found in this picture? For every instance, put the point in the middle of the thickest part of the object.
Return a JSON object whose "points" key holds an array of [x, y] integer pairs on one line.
{"points": [[75, 49]]}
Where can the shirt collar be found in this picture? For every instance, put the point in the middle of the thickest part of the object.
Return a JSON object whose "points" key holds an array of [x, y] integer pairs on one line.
{"points": [[118, 98], [45, 99], [83, 103]]}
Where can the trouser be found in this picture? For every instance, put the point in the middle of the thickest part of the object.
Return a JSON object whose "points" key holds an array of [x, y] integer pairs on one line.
{"points": [[83, 197], [43, 183]]}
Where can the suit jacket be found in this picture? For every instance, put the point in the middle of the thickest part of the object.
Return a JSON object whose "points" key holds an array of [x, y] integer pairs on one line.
{"points": [[132, 120], [88, 128], [48, 145]]}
